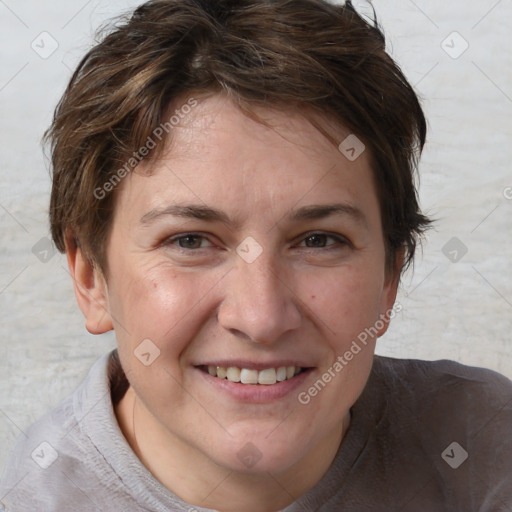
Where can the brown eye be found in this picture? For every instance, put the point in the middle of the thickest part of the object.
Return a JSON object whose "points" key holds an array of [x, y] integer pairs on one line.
{"points": [[322, 240], [190, 241], [316, 240]]}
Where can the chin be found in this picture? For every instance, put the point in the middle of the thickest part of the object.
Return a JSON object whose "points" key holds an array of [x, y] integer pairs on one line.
{"points": [[259, 454]]}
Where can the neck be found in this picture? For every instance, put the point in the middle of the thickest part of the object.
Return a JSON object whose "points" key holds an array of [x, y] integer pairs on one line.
{"points": [[199, 481]]}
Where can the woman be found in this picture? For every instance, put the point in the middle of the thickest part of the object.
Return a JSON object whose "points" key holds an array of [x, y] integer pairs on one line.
{"points": [[233, 188]]}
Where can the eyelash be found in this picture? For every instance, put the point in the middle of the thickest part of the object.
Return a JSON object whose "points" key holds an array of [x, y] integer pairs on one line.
{"points": [[339, 240]]}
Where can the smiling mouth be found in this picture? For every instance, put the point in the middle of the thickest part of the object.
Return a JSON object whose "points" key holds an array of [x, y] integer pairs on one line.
{"points": [[266, 377]]}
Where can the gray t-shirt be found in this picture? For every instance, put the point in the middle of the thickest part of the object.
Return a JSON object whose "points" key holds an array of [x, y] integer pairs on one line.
{"points": [[424, 437]]}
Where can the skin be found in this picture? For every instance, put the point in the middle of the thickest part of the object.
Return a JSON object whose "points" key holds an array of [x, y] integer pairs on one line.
{"points": [[304, 298]]}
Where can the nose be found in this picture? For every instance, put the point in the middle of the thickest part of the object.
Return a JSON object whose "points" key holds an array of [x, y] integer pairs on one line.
{"points": [[258, 304]]}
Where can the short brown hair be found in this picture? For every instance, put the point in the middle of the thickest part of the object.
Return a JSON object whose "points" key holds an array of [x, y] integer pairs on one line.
{"points": [[300, 54]]}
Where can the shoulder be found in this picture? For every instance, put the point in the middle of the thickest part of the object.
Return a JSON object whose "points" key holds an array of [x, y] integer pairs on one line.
{"points": [[41, 460], [446, 397], [417, 370], [453, 423], [444, 381], [47, 466]]}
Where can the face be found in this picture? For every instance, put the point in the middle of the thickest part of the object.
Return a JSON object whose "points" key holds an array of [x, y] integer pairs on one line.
{"points": [[255, 249]]}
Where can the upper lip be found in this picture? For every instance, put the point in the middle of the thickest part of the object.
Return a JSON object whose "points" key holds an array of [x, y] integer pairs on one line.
{"points": [[252, 365]]}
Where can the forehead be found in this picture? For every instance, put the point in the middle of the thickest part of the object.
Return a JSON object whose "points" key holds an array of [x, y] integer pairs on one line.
{"points": [[219, 156], [218, 128]]}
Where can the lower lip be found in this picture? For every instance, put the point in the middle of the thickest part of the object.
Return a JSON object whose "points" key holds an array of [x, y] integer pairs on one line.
{"points": [[257, 393]]}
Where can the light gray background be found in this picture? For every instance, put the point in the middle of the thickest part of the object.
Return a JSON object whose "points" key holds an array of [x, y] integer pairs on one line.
{"points": [[458, 310]]}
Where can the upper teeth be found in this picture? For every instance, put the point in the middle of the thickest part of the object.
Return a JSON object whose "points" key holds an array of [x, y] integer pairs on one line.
{"points": [[246, 376]]}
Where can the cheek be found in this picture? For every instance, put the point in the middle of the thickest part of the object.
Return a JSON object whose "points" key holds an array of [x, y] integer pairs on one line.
{"points": [[159, 304], [343, 301], [167, 308]]}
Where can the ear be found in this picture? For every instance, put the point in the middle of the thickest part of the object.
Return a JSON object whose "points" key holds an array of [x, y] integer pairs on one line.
{"points": [[389, 294], [90, 289]]}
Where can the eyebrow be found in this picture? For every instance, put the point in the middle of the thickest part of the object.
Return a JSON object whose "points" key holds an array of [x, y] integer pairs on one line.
{"points": [[191, 211], [208, 214], [321, 211]]}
